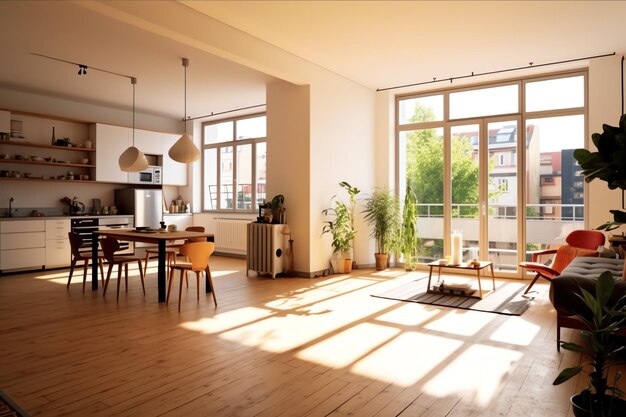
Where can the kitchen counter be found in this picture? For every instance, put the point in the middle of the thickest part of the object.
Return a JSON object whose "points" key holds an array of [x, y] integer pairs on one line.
{"points": [[99, 216]]}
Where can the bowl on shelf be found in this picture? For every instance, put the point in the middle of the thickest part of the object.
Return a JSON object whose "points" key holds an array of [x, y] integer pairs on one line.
{"points": [[36, 158]]}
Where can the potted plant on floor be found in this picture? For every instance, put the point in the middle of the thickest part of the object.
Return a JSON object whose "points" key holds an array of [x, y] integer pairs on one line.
{"points": [[340, 228], [407, 235], [603, 347], [382, 215], [352, 192]]}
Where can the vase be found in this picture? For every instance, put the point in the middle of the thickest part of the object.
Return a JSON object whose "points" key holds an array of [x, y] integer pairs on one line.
{"points": [[381, 261]]}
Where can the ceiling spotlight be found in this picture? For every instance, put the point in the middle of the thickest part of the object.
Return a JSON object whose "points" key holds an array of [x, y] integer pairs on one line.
{"points": [[82, 69]]}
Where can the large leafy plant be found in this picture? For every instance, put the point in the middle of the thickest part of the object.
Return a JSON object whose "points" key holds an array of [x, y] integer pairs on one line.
{"points": [[383, 216], [407, 239], [607, 164], [601, 346], [339, 226]]}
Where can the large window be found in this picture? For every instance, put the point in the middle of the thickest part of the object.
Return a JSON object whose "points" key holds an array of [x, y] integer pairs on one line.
{"points": [[234, 168], [494, 162]]}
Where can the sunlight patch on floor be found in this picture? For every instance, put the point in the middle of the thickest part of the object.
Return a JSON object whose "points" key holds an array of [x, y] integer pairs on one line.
{"points": [[476, 374], [461, 322], [406, 359], [348, 346], [61, 277], [226, 321], [408, 314], [517, 331], [308, 296]]}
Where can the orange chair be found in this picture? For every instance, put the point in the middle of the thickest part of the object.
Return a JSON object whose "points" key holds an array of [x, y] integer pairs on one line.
{"points": [[75, 243], [579, 243], [110, 245], [171, 251], [198, 253]]}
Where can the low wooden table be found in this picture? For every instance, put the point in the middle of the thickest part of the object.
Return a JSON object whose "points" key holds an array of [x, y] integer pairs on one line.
{"points": [[483, 265]]}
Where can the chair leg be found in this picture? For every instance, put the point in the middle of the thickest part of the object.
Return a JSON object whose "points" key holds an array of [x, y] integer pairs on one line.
{"points": [[85, 273], [126, 276], [533, 282], [106, 284], [119, 278], [197, 285], [180, 287], [558, 336], [169, 286], [145, 267], [208, 274], [143, 284], [69, 279], [101, 263]]}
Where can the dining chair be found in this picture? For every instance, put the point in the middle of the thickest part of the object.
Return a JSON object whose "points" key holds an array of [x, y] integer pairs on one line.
{"points": [[171, 250], [578, 243], [198, 254], [110, 245], [76, 241]]}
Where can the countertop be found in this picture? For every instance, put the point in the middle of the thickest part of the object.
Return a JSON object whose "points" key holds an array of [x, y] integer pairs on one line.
{"points": [[99, 216]]}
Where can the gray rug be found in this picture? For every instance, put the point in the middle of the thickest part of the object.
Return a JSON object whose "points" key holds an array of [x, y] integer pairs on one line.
{"points": [[507, 299]]}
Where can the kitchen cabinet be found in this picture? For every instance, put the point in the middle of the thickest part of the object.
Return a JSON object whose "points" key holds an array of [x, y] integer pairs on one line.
{"points": [[149, 142], [111, 141], [58, 249], [174, 173], [22, 244], [182, 221]]}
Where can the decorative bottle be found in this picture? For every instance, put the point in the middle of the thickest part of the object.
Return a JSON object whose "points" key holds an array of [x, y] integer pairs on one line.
{"points": [[53, 138]]}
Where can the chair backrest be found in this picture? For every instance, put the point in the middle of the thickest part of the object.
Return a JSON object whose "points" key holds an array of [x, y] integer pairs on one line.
{"points": [[195, 229], [109, 245], [75, 243], [198, 253], [586, 239]]}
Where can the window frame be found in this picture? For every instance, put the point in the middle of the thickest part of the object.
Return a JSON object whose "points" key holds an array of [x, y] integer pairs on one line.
{"points": [[235, 144]]}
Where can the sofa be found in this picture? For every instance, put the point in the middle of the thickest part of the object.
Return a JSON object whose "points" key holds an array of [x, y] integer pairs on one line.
{"points": [[582, 272]]}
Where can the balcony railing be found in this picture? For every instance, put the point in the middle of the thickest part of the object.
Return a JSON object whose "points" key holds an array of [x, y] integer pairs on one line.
{"points": [[563, 212]]}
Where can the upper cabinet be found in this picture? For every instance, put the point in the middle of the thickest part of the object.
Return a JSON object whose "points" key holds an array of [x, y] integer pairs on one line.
{"points": [[149, 142], [111, 141], [174, 173]]}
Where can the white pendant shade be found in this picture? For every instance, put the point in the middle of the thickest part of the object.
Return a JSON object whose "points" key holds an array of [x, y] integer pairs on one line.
{"points": [[133, 160], [184, 150]]}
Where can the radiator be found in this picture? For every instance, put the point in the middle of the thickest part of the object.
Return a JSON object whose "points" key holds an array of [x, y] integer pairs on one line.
{"points": [[265, 248], [230, 235]]}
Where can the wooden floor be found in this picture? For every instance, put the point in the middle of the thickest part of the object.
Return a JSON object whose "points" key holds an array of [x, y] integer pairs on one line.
{"points": [[283, 347]]}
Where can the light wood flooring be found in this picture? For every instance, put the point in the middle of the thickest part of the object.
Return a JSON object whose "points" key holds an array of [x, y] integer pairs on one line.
{"points": [[283, 347]]}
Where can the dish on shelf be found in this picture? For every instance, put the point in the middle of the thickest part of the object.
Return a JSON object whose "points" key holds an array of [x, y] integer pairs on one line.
{"points": [[6, 156], [36, 158]]}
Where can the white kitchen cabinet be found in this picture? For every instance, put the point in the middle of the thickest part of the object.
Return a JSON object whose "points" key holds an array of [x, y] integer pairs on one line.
{"points": [[111, 141], [22, 244], [58, 249], [182, 221], [174, 173], [149, 142]]}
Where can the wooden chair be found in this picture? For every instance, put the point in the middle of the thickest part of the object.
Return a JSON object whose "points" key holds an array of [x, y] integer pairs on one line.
{"points": [[171, 251], [579, 243], [110, 245], [76, 241], [198, 254]]}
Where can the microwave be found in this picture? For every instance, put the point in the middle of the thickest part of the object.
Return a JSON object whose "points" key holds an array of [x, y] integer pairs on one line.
{"points": [[151, 175]]}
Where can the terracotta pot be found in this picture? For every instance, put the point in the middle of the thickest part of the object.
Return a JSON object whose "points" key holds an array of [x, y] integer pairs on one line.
{"points": [[347, 265], [582, 410], [381, 261]]}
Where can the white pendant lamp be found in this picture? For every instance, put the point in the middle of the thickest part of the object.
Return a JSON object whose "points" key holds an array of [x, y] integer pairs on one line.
{"points": [[184, 149], [132, 159]]}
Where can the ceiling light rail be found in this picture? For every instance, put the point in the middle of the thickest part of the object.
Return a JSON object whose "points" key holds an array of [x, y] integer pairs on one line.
{"points": [[225, 112], [82, 68], [530, 65]]}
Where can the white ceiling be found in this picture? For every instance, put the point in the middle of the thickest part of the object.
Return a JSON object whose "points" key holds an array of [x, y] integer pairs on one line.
{"points": [[377, 44]]}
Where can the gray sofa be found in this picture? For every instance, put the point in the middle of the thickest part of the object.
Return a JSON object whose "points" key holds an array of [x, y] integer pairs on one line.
{"points": [[582, 272]]}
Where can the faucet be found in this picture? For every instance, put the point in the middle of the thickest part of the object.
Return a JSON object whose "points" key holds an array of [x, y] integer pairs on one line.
{"points": [[11, 201]]}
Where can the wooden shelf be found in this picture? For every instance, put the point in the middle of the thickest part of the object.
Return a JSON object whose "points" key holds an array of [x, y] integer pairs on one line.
{"points": [[37, 145], [61, 164], [42, 179]]}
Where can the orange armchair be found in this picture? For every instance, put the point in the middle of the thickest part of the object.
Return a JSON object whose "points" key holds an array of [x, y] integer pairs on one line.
{"points": [[579, 243]]}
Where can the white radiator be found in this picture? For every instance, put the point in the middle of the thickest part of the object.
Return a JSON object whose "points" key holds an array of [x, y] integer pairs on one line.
{"points": [[265, 248], [230, 234]]}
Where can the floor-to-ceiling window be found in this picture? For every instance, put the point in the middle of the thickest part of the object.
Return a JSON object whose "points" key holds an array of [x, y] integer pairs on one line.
{"points": [[494, 163], [234, 163]]}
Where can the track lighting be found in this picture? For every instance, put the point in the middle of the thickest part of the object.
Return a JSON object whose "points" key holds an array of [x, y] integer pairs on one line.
{"points": [[82, 69]]}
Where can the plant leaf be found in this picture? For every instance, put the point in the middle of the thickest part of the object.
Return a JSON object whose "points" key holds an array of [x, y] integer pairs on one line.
{"points": [[567, 374]]}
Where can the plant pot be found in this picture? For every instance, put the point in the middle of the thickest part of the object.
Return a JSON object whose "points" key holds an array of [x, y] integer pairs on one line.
{"points": [[338, 265], [581, 407], [381, 261], [347, 265]]}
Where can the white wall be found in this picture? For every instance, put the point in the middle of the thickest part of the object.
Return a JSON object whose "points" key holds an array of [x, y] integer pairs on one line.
{"points": [[604, 107]]}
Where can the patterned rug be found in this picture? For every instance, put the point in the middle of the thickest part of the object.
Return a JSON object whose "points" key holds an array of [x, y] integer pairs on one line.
{"points": [[8, 408], [507, 299]]}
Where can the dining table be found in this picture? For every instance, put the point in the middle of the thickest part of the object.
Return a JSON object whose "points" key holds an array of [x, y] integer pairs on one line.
{"points": [[155, 236]]}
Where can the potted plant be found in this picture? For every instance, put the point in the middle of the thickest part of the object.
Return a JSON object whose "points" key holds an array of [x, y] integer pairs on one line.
{"points": [[607, 164], [340, 228], [407, 236], [602, 346], [352, 192], [278, 209], [382, 215]]}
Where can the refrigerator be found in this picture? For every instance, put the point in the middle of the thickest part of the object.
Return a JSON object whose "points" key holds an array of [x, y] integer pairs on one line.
{"points": [[146, 205]]}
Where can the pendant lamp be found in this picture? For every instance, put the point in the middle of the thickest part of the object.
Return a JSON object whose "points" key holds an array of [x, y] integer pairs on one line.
{"points": [[184, 149], [132, 159]]}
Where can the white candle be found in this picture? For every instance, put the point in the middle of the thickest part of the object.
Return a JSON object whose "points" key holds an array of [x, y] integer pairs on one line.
{"points": [[457, 248]]}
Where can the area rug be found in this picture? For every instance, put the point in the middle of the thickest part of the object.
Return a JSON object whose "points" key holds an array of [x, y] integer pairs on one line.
{"points": [[8, 408], [507, 299]]}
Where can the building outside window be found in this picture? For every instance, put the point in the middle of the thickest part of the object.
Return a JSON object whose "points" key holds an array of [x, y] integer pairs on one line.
{"points": [[234, 154]]}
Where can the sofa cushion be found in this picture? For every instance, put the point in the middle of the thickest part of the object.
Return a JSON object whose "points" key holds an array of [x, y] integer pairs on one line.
{"points": [[583, 273]]}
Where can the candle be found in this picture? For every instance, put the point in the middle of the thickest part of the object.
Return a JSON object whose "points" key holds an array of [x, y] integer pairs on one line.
{"points": [[457, 248]]}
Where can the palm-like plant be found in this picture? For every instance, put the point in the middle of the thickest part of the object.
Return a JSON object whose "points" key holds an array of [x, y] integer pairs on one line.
{"points": [[601, 346], [407, 239], [382, 214]]}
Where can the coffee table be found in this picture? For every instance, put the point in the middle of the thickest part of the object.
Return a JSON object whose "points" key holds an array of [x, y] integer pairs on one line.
{"points": [[478, 269]]}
